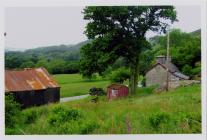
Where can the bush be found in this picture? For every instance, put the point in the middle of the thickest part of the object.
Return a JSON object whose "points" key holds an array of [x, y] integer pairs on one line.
{"points": [[119, 75], [12, 111], [187, 70], [12, 131], [146, 90], [156, 119], [193, 121], [89, 127], [97, 92], [196, 71], [60, 115], [30, 116]]}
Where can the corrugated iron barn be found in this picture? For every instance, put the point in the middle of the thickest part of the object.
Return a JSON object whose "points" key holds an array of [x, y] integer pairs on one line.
{"points": [[32, 87], [162, 72], [117, 90]]}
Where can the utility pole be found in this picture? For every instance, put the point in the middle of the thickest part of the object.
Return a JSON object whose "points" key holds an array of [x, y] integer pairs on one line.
{"points": [[168, 59], [168, 44]]}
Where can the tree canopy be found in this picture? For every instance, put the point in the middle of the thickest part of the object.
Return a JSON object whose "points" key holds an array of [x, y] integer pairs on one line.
{"points": [[185, 50], [119, 31]]}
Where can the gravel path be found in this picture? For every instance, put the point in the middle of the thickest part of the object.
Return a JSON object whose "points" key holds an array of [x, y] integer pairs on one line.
{"points": [[66, 99]]}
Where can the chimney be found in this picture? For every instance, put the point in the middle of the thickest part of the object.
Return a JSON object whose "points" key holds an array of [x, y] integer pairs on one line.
{"points": [[162, 59]]}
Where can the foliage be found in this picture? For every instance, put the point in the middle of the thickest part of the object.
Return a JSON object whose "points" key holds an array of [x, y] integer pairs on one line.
{"points": [[14, 59], [57, 59], [30, 116], [89, 127], [27, 64], [187, 69], [119, 75], [185, 50], [165, 113], [144, 91], [156, 119], [57, 66], [119, 31], [97, 92], [42, 63], [12, 111], [61, 115]]}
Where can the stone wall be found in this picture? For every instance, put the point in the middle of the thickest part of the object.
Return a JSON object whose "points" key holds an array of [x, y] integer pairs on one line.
{"points": [[156, 76], [175, 84]]}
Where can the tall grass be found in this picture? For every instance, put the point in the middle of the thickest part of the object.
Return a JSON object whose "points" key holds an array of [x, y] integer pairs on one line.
{"points": [[177, 111]]}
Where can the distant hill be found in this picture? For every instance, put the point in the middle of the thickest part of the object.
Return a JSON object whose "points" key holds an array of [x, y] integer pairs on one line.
{"points": [[57, 59], [7, 49], [154, 40], [197, 32], [59, 48], [64, 52]]}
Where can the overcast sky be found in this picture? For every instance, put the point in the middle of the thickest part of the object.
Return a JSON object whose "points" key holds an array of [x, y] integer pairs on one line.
{"points": [[33, 27]]}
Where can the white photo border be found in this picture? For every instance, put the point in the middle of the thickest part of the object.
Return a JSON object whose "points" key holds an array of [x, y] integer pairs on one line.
{"points": [[68, 3]]}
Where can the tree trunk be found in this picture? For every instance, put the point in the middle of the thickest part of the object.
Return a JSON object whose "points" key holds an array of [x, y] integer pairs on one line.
{"points": [[134, 70]]}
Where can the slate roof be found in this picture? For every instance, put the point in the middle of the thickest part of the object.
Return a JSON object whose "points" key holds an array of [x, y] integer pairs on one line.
{"points": [[116, 86], [172, 69], [178, 74]]}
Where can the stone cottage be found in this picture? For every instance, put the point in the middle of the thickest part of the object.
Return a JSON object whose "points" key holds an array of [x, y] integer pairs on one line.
{"points": [[162, 72]]}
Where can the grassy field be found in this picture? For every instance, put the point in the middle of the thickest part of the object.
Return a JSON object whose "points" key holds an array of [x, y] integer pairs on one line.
{"points": [[177, 111], [74, 84]]}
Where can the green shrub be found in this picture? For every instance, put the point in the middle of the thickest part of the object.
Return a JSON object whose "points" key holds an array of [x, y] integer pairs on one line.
{"points": [[89, 127], [119, 75], [30, 116], [143, 91], [193, 120], [12, 111], [196, 71], [97, 92], [12, 131], [60, 115], [187, 70], [156, 119]]}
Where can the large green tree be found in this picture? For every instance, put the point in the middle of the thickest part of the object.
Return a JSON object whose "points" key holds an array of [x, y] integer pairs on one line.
{"points": [[119, 31]]}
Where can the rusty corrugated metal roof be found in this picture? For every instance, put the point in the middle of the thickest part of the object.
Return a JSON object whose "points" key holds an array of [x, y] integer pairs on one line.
{"points": [[28, 79], [116, 86]]}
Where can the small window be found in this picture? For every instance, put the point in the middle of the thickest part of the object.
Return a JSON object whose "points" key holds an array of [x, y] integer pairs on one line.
{"points": [[114, 92]]}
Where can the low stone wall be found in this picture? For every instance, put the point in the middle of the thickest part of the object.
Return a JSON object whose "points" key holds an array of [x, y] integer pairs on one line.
{"points": [[175, 84]]}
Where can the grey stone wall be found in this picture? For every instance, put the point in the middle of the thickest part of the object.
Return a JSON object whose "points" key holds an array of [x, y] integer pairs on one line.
{"points": [[158, 77], [175, 84]]}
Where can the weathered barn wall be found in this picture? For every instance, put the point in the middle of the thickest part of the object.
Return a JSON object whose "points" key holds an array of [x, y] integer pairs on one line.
{"points": [[52, 95], [38, 97], [32, 86]]}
